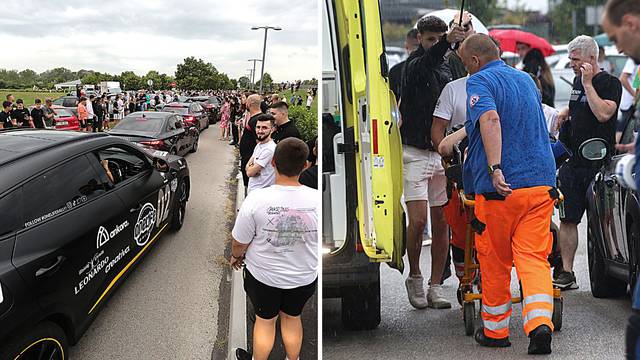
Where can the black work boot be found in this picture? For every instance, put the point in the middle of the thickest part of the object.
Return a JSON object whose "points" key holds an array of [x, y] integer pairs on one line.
{"points": [[540, 342], [484, 340]]}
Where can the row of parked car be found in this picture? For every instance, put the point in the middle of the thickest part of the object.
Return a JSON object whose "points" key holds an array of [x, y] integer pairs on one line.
{"points": [[55, 272]]}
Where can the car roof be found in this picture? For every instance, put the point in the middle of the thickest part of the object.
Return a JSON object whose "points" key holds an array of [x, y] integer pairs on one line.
{"points": [[178, 104], [25, 152]]}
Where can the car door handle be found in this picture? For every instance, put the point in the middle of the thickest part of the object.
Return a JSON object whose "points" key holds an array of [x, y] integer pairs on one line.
{"points": [[134, 209], [51, 268]]}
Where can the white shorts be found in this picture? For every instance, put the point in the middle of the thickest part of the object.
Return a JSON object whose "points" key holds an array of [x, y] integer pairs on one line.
{"points": [[424, 177]]}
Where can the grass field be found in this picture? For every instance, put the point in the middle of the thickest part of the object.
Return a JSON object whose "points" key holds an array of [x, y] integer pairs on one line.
{"points": [[29, 97], [303, 93]]}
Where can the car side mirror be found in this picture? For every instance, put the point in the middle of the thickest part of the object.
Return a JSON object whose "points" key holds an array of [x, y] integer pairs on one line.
{"points": [[160, 165], [593, 149]]}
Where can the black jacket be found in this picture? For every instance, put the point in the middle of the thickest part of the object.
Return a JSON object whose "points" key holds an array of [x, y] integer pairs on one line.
{"points": [[425, 75]]}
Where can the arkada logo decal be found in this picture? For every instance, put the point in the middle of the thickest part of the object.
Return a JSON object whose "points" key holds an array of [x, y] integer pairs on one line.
{"points": [[144, 224], [104, 236], [473, 100]]}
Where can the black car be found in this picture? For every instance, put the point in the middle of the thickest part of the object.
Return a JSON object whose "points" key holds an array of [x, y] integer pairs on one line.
{"points": [[72, 230], [211, 105], [613, 236], [192, 113], [164, 131]]}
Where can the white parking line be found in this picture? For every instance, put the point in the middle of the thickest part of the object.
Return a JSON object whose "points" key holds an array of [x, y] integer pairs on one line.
{"points": [[238, 308]]}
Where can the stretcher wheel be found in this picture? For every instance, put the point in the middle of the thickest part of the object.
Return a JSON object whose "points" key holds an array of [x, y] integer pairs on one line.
{"points": [[469, 310], [556, 318]]}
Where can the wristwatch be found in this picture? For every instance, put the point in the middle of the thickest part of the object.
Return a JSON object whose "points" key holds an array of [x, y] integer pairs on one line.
{"points": [[493, 168]]}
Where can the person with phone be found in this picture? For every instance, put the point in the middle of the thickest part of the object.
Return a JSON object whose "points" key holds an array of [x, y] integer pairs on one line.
{"points": [[592, 113]]}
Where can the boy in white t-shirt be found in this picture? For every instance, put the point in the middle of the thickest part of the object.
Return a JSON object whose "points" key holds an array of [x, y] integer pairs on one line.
{"points": [[276, 237], [259, 169]]}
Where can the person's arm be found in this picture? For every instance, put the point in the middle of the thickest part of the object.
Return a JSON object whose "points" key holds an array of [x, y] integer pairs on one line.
{"points": [[252, 169], [435, 54], [446, 145], [602, 109], [491, 133], [624, 80], [438, 130], [238, 250]]}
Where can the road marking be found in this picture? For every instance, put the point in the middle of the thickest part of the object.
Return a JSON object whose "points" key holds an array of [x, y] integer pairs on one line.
{"points": [[238, 307]]}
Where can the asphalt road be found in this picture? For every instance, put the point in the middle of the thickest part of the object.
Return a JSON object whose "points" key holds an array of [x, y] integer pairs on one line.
{"points": [[592, 328], [171, 306]]}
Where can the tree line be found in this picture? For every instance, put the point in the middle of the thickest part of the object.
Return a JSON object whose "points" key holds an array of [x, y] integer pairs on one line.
{"points": [[192, 74]]}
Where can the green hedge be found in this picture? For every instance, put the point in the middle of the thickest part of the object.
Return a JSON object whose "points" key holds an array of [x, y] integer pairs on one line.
{"points": [[306, 121]]}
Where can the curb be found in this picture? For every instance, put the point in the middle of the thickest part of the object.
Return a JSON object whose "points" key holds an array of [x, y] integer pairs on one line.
{"points": [[238, 307]]}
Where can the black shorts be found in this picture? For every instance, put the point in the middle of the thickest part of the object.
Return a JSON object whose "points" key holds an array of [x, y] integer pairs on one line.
{"points": [[573, 182], [268, 301]]}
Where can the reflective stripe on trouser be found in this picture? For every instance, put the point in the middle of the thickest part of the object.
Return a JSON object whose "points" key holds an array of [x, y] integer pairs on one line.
{"points": [[517, 232]]}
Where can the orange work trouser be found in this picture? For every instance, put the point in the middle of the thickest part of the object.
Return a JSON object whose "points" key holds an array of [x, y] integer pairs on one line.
{"points": [[517, 231], [457, 220]]}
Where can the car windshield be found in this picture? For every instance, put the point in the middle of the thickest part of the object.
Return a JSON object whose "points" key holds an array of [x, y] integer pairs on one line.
{"points": [[176, 110], [213, 101], [63, 113], [137, 122]]}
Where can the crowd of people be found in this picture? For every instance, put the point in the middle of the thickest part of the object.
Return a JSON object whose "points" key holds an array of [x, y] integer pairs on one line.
{"points": [[454, 91]]}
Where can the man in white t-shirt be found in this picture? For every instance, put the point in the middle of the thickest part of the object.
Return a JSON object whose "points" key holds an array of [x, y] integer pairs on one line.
{"points": [[451, 112], [627, 76], [259, 169], [276, 236], [309, 101]]}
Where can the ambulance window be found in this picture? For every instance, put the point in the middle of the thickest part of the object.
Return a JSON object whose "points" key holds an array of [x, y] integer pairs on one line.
{"points": [[60, 190]]}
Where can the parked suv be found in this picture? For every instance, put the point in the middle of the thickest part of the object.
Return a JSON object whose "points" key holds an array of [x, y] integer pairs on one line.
{"points": [[78, 212], [363, 220]]}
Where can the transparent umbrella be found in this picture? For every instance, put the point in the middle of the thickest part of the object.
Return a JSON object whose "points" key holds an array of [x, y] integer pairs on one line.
{"points": [[448, 14]]}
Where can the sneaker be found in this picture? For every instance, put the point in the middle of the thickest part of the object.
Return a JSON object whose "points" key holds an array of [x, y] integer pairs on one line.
{"points": [[435, 299], [540, 342], [484, 340], [415, 291], [565, 281], [242, 354]]}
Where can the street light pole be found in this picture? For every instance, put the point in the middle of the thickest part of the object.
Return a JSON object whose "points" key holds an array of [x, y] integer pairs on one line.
{"points": [[253, 73], [264, 48]]}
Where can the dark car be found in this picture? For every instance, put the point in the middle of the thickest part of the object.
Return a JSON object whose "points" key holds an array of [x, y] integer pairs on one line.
{"points": [[71, 231], [613, 236], [211, 104], [192, 113], [69, 102], [162, 131]]}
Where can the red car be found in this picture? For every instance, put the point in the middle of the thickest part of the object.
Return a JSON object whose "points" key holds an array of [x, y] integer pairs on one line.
{"points": [[65, 119]]}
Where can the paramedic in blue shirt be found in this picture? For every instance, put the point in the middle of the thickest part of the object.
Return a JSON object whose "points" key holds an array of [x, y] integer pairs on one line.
{"points": [[513, 175]]}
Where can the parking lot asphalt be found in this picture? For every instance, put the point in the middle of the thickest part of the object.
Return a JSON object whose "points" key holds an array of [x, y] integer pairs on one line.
{"points": [[592, 328]]}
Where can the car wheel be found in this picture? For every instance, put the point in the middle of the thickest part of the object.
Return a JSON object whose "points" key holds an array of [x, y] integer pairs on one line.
{"points": [[179, 207], [194, 148], [45, 341], [361, 306], [602, 284]]}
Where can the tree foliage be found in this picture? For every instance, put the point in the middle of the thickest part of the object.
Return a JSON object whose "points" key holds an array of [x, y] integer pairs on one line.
{"points": [[195, 74]]}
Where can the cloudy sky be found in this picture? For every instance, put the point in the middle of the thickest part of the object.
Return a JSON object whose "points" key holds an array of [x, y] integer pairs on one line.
{"points": [[115, 36]]}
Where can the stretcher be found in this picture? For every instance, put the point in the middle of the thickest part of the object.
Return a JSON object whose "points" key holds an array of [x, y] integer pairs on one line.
{"points": [[470, 288]]}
